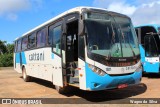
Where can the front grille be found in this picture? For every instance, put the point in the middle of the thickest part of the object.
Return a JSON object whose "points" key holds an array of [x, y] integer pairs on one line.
{"points": [[120, 74], [121, 64]]}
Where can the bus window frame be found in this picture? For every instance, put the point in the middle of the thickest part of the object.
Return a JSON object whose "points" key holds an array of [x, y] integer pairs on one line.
{"points": [[15, 46], [46, 36], [27, 43], [20, 45], [31, 48], [151, 36], [52, 26]]}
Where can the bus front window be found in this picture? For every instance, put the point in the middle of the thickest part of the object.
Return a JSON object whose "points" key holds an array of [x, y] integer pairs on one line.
{"points": [[109, 36], [128, 37]]}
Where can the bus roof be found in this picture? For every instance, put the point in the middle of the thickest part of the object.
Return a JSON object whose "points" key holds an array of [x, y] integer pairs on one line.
{"points": [[76, 9], [153, 25]]}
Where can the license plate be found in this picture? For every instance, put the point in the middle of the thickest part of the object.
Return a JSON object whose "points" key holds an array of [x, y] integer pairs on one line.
{"points": [[122, 86]]}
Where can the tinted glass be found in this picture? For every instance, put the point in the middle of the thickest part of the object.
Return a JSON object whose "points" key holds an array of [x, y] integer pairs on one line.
{"points": [[110, 36], [31, 40], [19, 45], [24, 43], [41, 38], [151, 49], [81, 46], [128, 36], [55, 34]]}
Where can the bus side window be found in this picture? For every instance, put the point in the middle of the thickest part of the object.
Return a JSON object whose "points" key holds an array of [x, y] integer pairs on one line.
{"points": [[24, 43], [55, 33], [19, 46], [41, 38], [50, 36], [15, 46], [32, 41]]}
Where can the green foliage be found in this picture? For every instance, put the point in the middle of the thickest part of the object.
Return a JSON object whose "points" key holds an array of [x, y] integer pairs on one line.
{"points": [[10, 48], [6, 54], [6, 60], [3, 48]]}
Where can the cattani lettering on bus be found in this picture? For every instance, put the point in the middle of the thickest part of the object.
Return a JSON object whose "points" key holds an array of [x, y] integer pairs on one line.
{"points": [[36, 56]]}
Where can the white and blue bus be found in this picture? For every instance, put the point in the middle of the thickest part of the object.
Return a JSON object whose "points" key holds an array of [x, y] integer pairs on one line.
{"points": [[149, 40], [90, 48]]}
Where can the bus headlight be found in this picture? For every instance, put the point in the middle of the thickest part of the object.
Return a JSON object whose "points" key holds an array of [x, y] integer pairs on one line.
{"points": [[97, 70], [139, 69]]}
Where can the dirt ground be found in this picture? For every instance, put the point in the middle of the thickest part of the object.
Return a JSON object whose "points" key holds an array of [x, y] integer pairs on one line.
{"points": [[13, 86]]}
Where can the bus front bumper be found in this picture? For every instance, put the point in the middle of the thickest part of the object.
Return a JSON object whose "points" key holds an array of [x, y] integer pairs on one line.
{"points": [[95, 82]]}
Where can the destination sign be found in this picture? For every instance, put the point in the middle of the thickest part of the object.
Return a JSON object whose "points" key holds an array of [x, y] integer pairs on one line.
{"points": [[98, 16]]}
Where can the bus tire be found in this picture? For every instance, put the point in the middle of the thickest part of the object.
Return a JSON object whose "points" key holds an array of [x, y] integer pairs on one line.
{"points": [[26, 78], [61, 90]]}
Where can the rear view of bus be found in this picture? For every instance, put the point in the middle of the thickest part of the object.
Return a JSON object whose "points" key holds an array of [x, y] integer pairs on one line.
{"points": [[149, 40], [96, 50]]}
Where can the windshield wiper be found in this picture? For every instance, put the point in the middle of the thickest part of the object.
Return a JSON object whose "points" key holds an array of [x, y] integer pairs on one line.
{"points": [[112, 42], [123, 36]]}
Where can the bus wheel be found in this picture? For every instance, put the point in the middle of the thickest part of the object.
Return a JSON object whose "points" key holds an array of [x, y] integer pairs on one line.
{"points": [[26, 78], [61, 90]]}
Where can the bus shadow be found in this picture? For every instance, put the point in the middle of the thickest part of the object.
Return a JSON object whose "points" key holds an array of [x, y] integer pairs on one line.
{"points": [[151, 75], [99, 96], [41, 82], [109, 95]]}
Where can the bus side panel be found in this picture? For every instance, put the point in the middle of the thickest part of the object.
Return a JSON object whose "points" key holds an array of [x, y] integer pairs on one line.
{"points": [[151, 65], [142, 52], [17, 65], [82, 74], [57, 72], [43, 64], [32, 65], [151, 68]]}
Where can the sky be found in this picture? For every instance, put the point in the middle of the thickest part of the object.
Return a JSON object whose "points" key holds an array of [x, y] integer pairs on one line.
{"points": [[19, 16]]}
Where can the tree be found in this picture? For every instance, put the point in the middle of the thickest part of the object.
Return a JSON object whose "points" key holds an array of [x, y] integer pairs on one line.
{"points": [[6, 54], [3, 48], [10, 48]]}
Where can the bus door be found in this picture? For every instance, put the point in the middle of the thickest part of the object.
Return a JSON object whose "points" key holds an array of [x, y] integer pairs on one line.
{"points": [[151, 54], [70, 50]]}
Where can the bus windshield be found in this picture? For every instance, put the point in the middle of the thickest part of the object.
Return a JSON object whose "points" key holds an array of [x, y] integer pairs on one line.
{"points": [[159, 29], [110, 36], [151, 47]]}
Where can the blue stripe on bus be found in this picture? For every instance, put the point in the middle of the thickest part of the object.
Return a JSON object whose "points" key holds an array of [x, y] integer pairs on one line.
{"points": [[23, 58], [142, 51], [17, 57], [151, 67], [52, 55], [109, 82], [147, 66]]}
